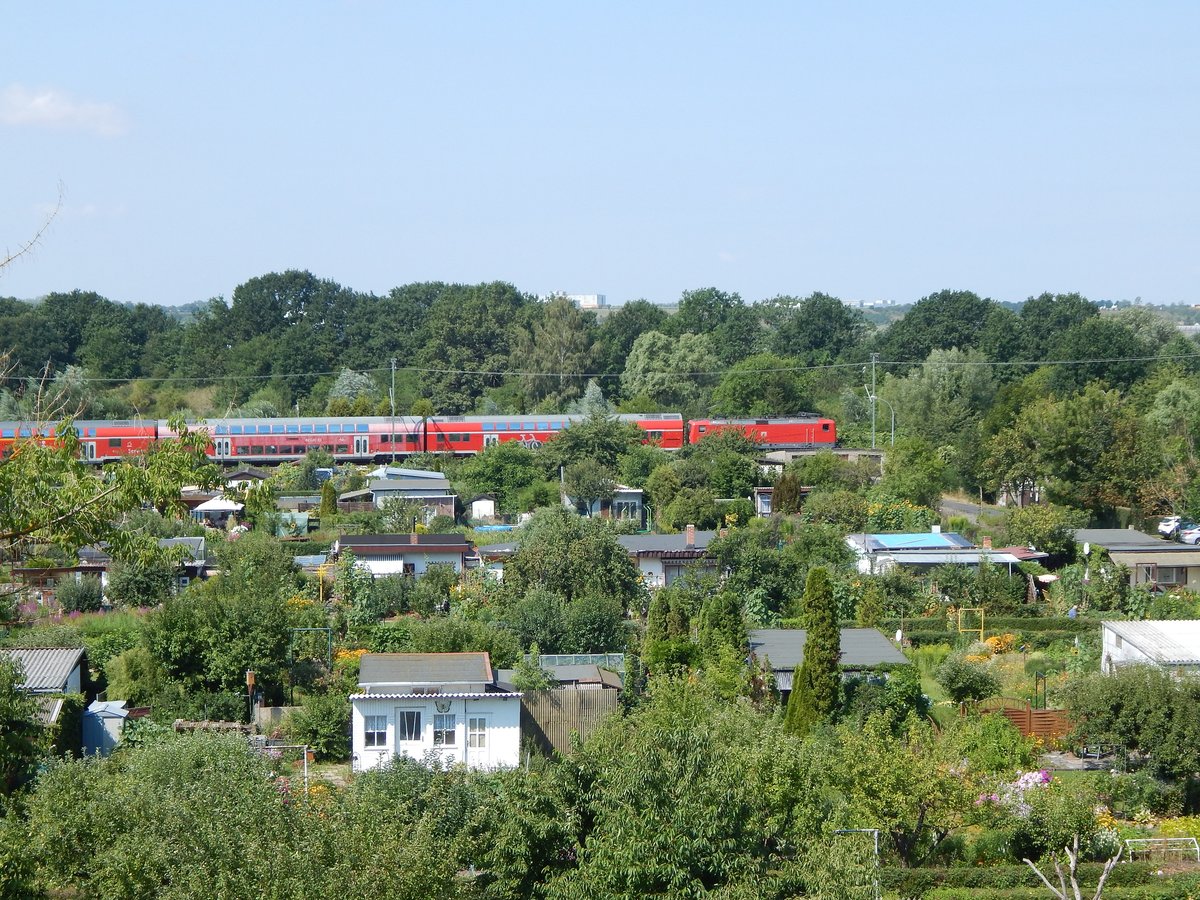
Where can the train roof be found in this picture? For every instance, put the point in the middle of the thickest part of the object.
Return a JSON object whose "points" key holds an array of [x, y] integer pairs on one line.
{"points": [[802, 419]]}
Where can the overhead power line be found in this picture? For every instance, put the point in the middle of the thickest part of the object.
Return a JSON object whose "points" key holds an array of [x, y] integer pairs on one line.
{"points": [[713, 373]]}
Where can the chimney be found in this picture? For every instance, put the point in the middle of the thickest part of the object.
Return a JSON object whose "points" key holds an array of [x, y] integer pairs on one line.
{"points": [[987, 543], [412, 538], [690, 537]]}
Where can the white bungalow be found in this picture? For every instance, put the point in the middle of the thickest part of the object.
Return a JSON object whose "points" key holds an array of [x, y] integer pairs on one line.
{"points": [[443, 707], [1173, 646]]}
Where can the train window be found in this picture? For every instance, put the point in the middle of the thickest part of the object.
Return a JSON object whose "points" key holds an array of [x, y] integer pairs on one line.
{"points": [[222, 429], [335, 429], [360, 426], [306, 429], [543, 426], [293, 429], [276, 429], [243, 450], [655, 435], [264, 429], [410, 438], [8, 432], [321, 429], [341, 448], [235, 429], [502, 426], [25, 431], [703, 429], [824, 426], [385, 439], [487, 426], [271, 448], [114, 442]]}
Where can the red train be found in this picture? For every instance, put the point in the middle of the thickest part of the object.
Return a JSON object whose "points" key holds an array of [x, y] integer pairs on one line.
{"points": [[381, 438]]}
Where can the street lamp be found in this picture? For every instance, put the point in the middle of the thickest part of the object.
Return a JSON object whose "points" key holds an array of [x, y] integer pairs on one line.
{"points": [[892, 410]]}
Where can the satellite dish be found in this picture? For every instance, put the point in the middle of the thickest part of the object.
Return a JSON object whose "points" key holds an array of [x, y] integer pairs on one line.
{"points": [[1087, 548]]}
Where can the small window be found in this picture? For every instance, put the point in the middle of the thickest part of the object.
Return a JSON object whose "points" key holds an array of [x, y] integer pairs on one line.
{"points": [[335, 429], [408, 725], [293, 429], [276, 429], [410, 438], [374, 731], [306, 429], [824, 426], [243, 450], [341, 448], [443, 731], [235, 429], [114, 443], [361, 427], [1120, 643], [543, 426], [264, 429], [488, 426], [321, 429], [477, 733], [222, 429], [271, 449]]}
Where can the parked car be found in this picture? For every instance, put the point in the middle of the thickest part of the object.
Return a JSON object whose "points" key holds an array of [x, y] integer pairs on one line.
{"points": [[1168, 526], [1189, 533]]}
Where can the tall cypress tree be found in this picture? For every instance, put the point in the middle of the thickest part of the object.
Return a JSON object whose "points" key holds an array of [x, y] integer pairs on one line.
{"points": [[816, 684]]}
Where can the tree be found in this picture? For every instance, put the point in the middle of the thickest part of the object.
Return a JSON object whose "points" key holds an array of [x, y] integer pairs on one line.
{"points": [[940, 321], [348, 387], [50, 496], [1050, 529], [727, 322], [555, 352], [599, 438], [816, 684], [504, 469], [588, 483], [673, 372], [140, 584], [21, 737], [818, 328], [963, 680], [1046, 316], [82, 595], [1100, 350], [573, 557], [621, 328], [762, 385]]}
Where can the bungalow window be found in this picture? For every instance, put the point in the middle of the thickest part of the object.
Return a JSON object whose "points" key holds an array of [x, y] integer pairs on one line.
{"points": [[1171, 575], [374, 731], [443, 731], [408, 725]]}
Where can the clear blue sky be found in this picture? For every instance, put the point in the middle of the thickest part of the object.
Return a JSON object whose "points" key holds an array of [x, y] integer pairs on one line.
{"points": [[870, 150]]}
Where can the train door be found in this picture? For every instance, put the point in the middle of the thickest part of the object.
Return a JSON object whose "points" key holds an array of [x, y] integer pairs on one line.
{"points": [[490, 440], [362, 445], [222, 447], [89, 450]]}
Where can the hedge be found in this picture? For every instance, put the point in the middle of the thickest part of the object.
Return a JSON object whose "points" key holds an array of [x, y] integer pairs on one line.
{"points": [[1181, 887], [919, 882]]}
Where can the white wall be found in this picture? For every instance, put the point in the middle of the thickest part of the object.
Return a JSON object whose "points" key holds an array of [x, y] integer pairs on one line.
{"points": [[420, 562], [1119, 652], [503, 735]]}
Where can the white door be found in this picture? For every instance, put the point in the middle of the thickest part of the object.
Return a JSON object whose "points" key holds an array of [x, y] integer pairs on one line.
{"points": [[478, 751], [409, 733]]}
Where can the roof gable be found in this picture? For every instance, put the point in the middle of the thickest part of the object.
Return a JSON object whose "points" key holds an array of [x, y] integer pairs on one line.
{"points": [[1167, 642]]}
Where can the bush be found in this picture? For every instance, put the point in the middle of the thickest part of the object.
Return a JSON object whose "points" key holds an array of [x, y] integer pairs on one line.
{"points": [[82, 595], [963, 680], [323, 723]]}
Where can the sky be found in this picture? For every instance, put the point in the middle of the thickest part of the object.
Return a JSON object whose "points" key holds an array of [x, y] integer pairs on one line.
{"points": [[874, 151]]}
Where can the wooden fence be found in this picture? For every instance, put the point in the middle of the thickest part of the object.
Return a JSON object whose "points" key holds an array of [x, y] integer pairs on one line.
{"points": [[551, 717], [1046, 724]]}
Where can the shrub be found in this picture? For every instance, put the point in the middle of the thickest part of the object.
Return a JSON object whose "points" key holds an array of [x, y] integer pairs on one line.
{"points": [[82, 595], [964, 680], [323, 723]]}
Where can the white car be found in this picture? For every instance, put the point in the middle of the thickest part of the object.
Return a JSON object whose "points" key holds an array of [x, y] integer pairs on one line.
{"points": [[1189, 533], [1169, 525]]}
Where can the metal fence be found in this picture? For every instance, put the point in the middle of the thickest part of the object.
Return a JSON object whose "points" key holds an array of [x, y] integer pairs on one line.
{"points": [[1179, 849]]}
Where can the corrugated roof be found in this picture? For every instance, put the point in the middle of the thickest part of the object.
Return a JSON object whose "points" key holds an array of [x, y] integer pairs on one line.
{"points": [[448, 695], [919, 540], [861, 648], [1170, 642], [949, 557], [47, 669], [424, 669], [401, 540]]}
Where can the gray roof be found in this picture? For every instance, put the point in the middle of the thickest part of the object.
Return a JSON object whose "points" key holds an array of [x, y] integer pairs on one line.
{"points": [[415, 485], [357, 542], [425, 669], [664, 543], [194, 545], [1167, 642], [862, 648], [47, 669], [1127, 539], [949, 557], [587, 674]]}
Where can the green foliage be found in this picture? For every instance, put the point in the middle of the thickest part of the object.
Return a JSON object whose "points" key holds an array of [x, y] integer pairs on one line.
{"points": [[963, 680], [140, 584], [82, 595], [816, 685], [888, 513], [22, 740], [323, 723], [761, 385], [1050, 529], [1143, 709], [135, 676]]}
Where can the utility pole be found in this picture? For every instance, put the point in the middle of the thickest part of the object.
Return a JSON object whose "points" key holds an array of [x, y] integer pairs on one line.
{"points": [[392, 397], [874, 357]]}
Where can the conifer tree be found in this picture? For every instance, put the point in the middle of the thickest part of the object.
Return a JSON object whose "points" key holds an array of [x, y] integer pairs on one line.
{"points": [[816, 683]]}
